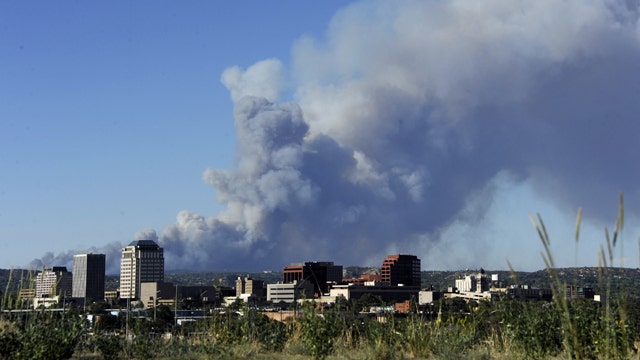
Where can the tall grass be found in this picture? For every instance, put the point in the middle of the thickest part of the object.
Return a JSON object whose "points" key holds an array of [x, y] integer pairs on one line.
{"points": [[603, 333], [6, 298]]}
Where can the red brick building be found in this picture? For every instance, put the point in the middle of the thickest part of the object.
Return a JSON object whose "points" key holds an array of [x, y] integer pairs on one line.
{"points": [[401, 269]]}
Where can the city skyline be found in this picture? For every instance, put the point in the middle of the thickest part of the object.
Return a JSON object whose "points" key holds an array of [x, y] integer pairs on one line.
{"points": [[239, 135]]}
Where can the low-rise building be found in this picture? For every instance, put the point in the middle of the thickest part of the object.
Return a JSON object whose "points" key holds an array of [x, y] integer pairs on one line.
{"points": [[45, 302], [164, 293], [384, 292], [402, 306], [429, 296], [111, 296], [27, 294], [526, 292], [579, 292], [364, 278], [290, 292]]}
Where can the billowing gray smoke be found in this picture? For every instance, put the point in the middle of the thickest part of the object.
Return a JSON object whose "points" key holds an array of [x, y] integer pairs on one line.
{"points": [[410, 116], [408, 110], [112, 259]]}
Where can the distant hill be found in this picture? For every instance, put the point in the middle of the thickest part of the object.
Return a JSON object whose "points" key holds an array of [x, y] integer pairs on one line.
{"points": [[619, 280], [16, 279], [625, 280]]}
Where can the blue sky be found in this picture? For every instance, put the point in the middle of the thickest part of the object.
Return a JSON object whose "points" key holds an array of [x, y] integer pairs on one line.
{"points": [[109, 113], [247, 135]]}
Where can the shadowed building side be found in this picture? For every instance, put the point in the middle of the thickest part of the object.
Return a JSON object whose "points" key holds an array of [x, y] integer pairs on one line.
{"points": [[401, 270], [88, 277], [321, 274]]}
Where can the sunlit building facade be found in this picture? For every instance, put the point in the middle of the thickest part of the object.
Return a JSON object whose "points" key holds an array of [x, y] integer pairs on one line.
{"points": [[142, 261], [54, 281]]}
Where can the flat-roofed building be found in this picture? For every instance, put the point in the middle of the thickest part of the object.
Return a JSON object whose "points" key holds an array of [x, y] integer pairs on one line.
{"points": [[401, 270], [291, 292], [319, 273], [429, 297], [250, 288], [27, 294], [142, 261], [46, 302], [478, 282], [54, 281], [293, 272], [364, 278], [156, 293], [88, 277], [384, 292], [164, 293]]}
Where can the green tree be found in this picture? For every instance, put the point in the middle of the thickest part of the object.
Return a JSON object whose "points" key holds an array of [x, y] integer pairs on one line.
{"points": [[318, 330], [47, 336]]}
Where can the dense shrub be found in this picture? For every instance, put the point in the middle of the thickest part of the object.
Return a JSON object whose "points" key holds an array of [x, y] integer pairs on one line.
{"points": [[534, 329], [9, 342], [318, 330], [502, 327], [42, 336], [110, 346]]}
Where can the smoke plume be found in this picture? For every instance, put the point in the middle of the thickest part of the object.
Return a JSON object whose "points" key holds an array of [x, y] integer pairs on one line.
{"points": [[410, 120], [409, 112], [410, 115]]}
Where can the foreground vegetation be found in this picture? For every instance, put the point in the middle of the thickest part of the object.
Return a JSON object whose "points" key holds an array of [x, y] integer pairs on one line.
{"points": [[452, 328]]}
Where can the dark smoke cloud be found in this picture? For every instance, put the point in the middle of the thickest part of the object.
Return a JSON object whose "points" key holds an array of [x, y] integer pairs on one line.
{"points": [[111, 250], [408, 111], [410, 118]]}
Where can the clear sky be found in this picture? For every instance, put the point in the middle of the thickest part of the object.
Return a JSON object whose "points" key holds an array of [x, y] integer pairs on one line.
{"points": [[360, 129]]}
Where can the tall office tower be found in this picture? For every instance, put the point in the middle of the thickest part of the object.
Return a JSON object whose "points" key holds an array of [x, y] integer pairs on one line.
{"points": [[401, 269], [54, 281], [142, 261], [320, 274], [88, 277]]}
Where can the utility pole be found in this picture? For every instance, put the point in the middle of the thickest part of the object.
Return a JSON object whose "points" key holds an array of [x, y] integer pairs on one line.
{"points": [[175, 308]]}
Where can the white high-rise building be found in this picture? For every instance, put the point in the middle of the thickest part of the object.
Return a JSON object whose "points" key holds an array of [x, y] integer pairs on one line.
{"points": [[54, 281], [142, 261]]}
